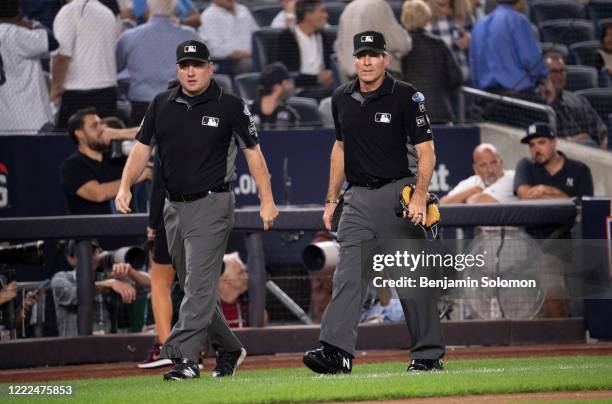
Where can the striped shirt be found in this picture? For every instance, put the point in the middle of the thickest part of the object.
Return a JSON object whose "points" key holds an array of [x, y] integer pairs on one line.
{"points": [[449, 30]]}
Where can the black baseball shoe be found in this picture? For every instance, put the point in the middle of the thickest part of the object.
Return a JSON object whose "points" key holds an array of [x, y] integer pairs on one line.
{"points": [[183, 369], [425, 365], [328, 360], [228, 362]]}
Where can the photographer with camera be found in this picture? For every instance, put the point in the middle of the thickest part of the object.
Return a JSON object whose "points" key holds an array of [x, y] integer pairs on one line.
{"points": [[89, 179], [121, 280]]}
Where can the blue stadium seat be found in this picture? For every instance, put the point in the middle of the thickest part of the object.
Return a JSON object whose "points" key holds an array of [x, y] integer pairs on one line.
{"points": [[334, 9], [264, 14], [547, 10], [264, 41], [600, 99], [567, 32], [600, 9], [585, 53], [601, 23], [308, 110], [246, 84], [581, 77]]}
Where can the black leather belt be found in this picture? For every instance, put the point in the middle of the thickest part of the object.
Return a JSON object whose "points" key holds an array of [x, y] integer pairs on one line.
{"points": [[225, 187], [374, 184]]}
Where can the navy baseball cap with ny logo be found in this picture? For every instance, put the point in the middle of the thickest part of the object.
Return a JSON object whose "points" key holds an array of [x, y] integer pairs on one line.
{"points": [[192, 50], [373, 41]]}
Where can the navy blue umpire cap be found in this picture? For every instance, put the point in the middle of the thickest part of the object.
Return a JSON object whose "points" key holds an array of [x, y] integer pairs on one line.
{"points": [[538, 129], [373, 41], [192, 50]]}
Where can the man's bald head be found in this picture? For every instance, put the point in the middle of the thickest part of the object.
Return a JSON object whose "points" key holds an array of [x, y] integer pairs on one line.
{"points": [[487, 163]]}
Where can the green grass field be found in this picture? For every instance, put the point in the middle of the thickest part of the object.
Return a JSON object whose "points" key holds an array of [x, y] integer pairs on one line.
{"points": [[367, 382]]}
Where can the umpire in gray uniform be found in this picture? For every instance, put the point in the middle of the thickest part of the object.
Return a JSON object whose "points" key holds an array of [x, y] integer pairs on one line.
{"points": [[383, 139], [198, 129]]}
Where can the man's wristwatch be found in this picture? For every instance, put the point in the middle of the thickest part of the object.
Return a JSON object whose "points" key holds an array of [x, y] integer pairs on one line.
{"points": [[334, 201]]}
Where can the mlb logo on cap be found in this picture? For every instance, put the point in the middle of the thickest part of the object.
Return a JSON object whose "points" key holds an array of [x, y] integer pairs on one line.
{"points": [[192, 50], [372, 41]]}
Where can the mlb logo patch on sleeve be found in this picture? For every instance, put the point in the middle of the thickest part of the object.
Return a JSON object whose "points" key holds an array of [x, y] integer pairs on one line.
{"points": [[210, 121], [420, 121], [382, 117]]}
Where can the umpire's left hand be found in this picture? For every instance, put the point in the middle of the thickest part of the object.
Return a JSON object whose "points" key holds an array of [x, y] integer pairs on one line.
{"points": [[122, 201], [268, 213]]}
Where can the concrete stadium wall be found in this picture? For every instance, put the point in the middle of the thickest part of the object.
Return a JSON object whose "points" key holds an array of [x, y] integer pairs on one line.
{"points": [[507, 141]]}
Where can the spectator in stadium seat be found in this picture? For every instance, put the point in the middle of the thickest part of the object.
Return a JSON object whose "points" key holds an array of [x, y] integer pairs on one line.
{"points": [[577, 121], [286, 17], [451, 21], [270, 110], [227, 28], [122, 280], [490, 183], [24, 100], [549, 174], [430, 67], [606, 48], [83, 68], [148, 52], [88, 178], [371, 15], [306, 49]]}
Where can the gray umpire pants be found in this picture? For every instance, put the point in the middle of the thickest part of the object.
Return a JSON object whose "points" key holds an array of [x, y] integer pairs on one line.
{"points": [[369, 214], [197, 237]]}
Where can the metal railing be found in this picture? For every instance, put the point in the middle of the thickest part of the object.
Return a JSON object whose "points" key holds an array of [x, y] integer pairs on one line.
{"points": [[503, 99]]}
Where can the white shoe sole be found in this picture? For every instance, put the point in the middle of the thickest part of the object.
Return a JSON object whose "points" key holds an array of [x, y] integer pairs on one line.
{"points": [[155, 364], [243, 354], [240, 359]]}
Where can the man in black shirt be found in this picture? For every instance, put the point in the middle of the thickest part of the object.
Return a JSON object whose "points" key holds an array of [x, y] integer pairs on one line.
{"points": [[198, 129], [549, 174], [382, 137], [89, 179], [270, 111]]}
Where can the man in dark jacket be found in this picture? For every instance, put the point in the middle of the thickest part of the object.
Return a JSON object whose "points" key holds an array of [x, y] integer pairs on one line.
{"points": [[307, 48]]}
